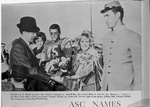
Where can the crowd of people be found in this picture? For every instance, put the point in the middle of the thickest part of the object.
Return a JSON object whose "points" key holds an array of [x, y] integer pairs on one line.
{"points": [[62, 64], [69, 67]]}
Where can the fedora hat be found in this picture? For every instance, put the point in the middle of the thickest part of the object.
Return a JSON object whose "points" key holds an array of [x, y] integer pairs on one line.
{"points": [[28, 24], [110, 6]]}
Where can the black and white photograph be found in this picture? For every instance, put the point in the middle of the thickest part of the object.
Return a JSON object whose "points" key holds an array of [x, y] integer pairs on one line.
{"points": [[72, 46]]}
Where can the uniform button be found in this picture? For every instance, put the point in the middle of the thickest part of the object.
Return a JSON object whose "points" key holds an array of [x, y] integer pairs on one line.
{"points": [[110, 47], [108, 72], [109, 66], [110, 53], [112, 41]]}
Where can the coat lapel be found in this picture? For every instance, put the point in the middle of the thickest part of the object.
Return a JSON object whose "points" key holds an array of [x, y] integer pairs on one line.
{"points": [[32, 56]]}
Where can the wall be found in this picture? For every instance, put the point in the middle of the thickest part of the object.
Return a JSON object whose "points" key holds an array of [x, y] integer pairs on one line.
{"points": [[73, 18]]}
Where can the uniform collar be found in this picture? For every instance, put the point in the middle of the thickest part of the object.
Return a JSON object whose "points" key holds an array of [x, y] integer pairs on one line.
{"points": [[118, 29]]}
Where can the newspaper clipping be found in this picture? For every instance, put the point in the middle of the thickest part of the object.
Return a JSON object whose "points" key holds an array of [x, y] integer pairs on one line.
{"points": [[72, 53]]}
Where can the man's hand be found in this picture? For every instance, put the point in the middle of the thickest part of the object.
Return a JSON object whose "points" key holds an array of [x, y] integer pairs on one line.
{"points": [[58, 79], [51, 82]]}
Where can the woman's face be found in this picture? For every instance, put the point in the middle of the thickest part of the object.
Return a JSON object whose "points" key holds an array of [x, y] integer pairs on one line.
{"points": [[85, 43], [39, 41]]}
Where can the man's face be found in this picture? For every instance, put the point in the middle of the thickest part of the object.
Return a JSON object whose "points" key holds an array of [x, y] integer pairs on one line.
{"points": [[31, 36], [111, 19], [54, 34]]}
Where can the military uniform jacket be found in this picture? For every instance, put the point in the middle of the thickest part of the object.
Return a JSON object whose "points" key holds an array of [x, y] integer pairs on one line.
{"points": [[122, 60]]}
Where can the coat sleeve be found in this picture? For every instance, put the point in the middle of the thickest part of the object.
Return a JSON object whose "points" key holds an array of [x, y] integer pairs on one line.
{"points": [[135, 48], [19, 56]]}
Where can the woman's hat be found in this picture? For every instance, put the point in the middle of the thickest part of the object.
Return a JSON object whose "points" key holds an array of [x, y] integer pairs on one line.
{"points": [[28, 24]]}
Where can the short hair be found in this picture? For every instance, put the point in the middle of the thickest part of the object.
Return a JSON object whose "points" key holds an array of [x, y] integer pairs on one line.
{"points": [[118, 9], [41, 35], [55, 26]]}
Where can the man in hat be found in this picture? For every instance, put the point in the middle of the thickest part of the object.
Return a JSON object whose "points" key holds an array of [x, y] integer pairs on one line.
{"points": [[22, 60], [122, 52]]}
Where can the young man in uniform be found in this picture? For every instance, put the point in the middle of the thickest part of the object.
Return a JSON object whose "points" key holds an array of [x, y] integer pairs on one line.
{"points": [[122, 52]]}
